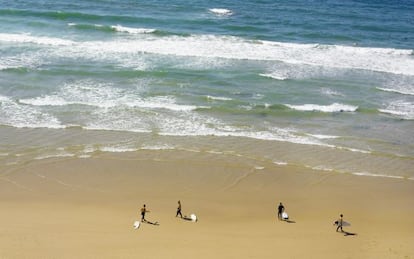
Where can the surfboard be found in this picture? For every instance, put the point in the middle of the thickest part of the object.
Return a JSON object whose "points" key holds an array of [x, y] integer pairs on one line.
{"points": [[285, 216], [137, 224], [193, 218], [344, 223]]}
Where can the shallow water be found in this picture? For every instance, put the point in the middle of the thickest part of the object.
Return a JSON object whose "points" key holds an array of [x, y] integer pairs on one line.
{"points": [[322, 85]]}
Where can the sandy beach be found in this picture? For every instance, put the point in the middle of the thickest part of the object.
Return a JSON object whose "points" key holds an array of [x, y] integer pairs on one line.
{"points": [[85, 208]]}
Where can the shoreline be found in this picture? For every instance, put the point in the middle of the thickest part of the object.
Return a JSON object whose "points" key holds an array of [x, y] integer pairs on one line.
{"points": [[85, 208]]}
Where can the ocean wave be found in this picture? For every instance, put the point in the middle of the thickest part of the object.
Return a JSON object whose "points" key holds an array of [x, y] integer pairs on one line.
{"points": [[401, 109], [399, 91], [330, 169], [158, 147], [320, 136], [103, 95], [377, 175], [276, 76], [112, 28], [321, 168], [57, 155], [221, 11], [335, 107], [26, 38], [22, 116], [330, 92], [200, 126], [280, 163], [120, 28], [218, 98], [397, 61], [183, 123], [117, 149]]}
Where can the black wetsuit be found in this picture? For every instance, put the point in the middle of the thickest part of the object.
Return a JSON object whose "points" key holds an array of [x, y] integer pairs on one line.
{"points": [[280, 210]]}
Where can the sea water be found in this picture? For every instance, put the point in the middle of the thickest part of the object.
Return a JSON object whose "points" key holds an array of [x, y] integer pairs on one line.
{"points": [[327, 85]]}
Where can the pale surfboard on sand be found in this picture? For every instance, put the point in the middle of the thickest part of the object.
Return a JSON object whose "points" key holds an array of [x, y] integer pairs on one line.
{"points": [[136, 224]]}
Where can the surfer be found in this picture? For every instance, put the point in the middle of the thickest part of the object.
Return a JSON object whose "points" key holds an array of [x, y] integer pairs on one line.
{"points": [[280, 210], [179, 210], [339, 223], [143, 211]]}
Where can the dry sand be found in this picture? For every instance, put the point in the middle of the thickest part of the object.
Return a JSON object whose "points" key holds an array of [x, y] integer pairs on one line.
{"points": [[85, 208]]}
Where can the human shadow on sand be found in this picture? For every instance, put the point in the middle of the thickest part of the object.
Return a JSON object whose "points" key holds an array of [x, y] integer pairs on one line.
{"points": [[191, 218], [156, 223], [287, 220], [349, 233]]}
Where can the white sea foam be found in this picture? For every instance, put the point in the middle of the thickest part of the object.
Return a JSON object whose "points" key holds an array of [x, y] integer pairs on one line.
{"points": [[162, 102], [26, 38], [88, 92], [120, 28], [280, 163], [215, 152], [21, 61], [276, 76], [117, 149], [58, 155], [330, 92], [329, 169], [354, 150], [322, 168], [397, 61], [84, 156], [320, 136], [45, 101], [221, 11], [377, 175], [158, 147], [335, 107], [400, 91], [22, 116], [400, 108], [218, 98], [85, 92], [200, 126]]}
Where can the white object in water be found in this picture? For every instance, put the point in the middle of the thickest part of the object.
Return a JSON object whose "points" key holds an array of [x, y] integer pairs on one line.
{"points": [[285, 216], [221, 11], [137, 224]]}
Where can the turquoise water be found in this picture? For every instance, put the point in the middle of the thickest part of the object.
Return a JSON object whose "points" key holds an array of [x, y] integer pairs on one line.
{"points": [[322, 84]]}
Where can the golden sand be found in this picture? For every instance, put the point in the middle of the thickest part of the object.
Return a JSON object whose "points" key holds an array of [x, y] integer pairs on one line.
{"points": [[85, 208]]}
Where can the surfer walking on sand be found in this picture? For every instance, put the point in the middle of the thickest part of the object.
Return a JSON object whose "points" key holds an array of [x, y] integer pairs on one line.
{"points": [[143, 211], [280, 210], [179, 210], [339, 223]]}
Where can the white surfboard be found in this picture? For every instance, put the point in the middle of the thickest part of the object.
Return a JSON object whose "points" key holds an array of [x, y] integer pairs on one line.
{"points": [[285, 216], [193, 218], [344, 223], [137, 224]]}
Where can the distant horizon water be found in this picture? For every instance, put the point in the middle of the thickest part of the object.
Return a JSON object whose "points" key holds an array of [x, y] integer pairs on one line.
{"points": [[327, 85]]}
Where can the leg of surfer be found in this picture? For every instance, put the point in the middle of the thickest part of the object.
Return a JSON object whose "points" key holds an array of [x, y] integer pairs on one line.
{"points": [[340, 223], [143, 210], [179, 210]]}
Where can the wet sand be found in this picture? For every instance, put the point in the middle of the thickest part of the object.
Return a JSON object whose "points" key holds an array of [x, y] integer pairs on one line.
{"points": [[85, 208]]}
